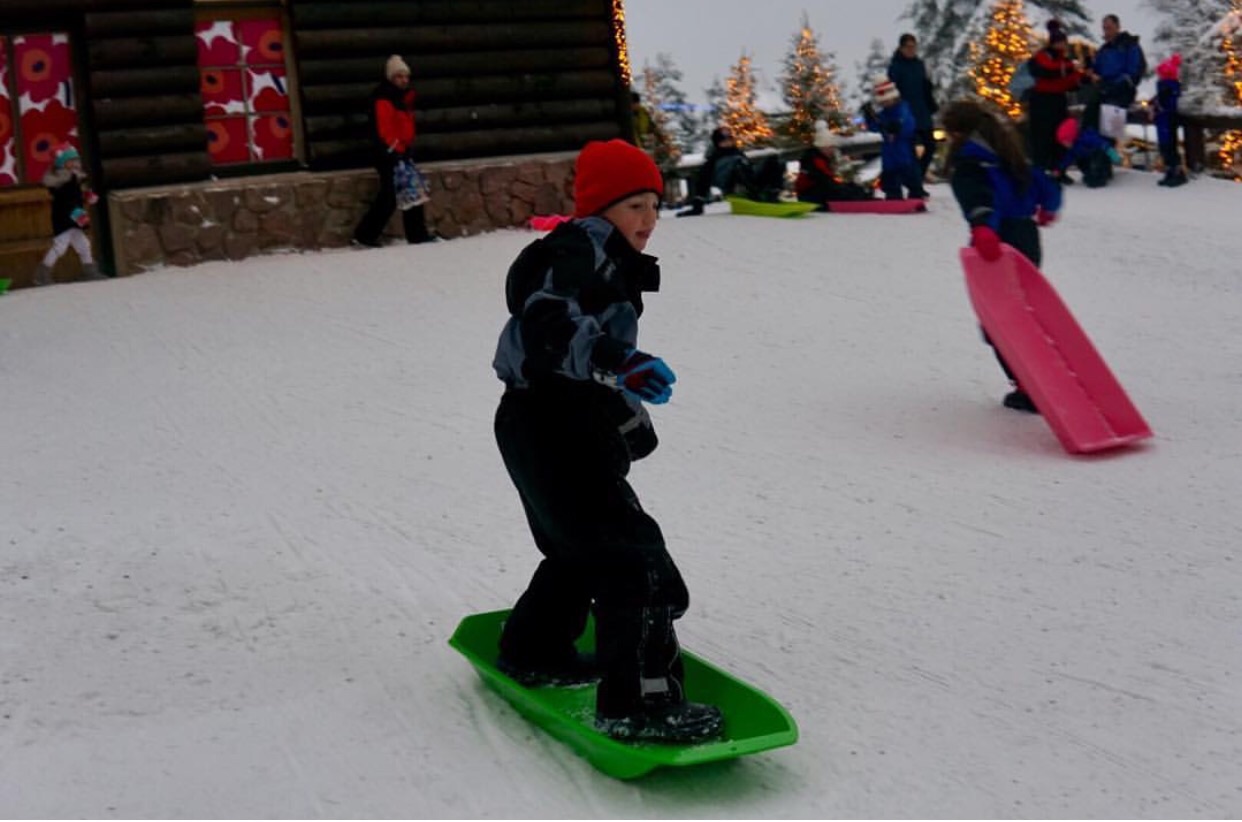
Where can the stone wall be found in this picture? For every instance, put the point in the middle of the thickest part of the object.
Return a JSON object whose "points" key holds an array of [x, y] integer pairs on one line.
{"points": [[236, 218]]}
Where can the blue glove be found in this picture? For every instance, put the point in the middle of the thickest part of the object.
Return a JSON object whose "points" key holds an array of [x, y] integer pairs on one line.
{"points": [[643, 376]]}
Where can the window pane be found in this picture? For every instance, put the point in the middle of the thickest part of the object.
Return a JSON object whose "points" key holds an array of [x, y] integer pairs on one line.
{"points": [[45, 94], [217, 44], [266, 90], [222, 92], [273, 137], [8, 150], [226, 140], [262, 43]]}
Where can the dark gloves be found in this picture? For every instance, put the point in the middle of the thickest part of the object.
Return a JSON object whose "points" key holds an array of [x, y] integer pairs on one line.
{"points": [[986, 242], [642, 376]]}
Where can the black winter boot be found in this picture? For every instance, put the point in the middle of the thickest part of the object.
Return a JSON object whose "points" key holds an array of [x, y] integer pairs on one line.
{"points": [[676, 723], [695, 209], [1019, 400]]}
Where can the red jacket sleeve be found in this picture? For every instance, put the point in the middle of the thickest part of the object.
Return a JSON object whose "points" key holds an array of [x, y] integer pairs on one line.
{"points": [[1054, 74], [396, 127]]}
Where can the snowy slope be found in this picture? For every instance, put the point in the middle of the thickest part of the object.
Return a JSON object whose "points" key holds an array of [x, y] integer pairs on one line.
{"points": [[243, 506]]}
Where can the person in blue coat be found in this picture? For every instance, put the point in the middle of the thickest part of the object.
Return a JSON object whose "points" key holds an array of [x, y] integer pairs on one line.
{"points": [[909, 74], [898, 162], [1003, 198], [1117, 68]]}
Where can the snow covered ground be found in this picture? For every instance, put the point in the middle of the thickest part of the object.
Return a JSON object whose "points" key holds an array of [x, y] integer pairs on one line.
{"points": [[242, 507]]}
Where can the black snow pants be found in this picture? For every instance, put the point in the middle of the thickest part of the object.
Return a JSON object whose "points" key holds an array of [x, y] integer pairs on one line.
{"points": [[1023, 235], [376, 219], [600, 550]]}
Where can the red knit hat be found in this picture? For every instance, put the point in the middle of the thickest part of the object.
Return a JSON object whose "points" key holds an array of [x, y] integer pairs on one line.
{"points": [[609, 172]]}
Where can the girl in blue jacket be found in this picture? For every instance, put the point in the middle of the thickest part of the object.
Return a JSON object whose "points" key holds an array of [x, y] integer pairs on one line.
{"points": [[1003, 198]]}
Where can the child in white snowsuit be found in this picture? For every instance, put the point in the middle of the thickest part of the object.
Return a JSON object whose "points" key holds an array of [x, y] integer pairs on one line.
{"points": [[66, 182], [570, 422]]}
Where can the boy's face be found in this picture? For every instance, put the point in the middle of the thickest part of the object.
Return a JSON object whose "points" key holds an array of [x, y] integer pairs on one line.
{"points": [[401, 80], [635, 217], [73, 165]]}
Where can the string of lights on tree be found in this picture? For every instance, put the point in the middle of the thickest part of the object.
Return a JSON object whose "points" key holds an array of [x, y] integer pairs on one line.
{"points": [[1230, 153], [739, 113], [664, 148], [618, 36], [1007, 43], [810, 88]]}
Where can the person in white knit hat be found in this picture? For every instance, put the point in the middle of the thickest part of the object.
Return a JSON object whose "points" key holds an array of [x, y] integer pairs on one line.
{"points": [[392, 140], [819, 176], [899, 163]]}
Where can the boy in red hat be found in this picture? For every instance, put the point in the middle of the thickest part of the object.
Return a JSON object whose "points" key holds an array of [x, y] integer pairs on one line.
{"points": [[569, 424]]}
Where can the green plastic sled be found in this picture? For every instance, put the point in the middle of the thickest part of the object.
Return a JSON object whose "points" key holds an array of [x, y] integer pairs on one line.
{"points": [[754, 721], [5, 282], [754, 208]]}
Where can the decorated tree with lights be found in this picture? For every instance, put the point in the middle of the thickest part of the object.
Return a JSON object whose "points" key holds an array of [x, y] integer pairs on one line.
{"points": [[1006, 44], [739, 111], [810, 86], [662, 90], [1226, 36], [664, 146]]}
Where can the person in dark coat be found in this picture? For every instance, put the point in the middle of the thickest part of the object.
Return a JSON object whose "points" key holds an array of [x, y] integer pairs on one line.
{"points": [[1056, 75], [1117, 67], [570, 422], [1164, 111], [909, 74], [66, 182], [727, 168], [818, 180], [1003, 199], [899, 166], [392, 138]]}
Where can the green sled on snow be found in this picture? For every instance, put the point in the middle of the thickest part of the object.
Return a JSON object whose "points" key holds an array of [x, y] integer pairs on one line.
{"points": [[754, 721], [754, 208], [5, 282]]}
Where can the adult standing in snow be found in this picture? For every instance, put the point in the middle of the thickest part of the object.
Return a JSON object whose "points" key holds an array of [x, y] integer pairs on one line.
{"points": [[392, 139], [909, 74], [570, 422], [1055, 76], [1001, 196], [1118, 67]]}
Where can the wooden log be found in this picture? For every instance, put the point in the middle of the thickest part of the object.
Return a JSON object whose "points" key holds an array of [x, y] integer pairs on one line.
{"points": [[450, 39], [467, 90], [346, 15], [130, 172], [145, 112], [137, 23], [142, 81], [469, 118], [493, 143], [19, 11], [327, 71], [150, 52], [129, 142]]}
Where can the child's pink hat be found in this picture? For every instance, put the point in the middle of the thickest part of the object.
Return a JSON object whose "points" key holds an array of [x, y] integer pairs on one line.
{"points": [[1169, 69], [1067, 132]]}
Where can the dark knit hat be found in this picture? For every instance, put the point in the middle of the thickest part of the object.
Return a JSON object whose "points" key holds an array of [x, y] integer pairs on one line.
{"points": [[608, 172]]}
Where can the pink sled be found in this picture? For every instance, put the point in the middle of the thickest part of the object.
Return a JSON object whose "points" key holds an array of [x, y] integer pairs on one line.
{"points": [[913, 206], [1052, 357]]}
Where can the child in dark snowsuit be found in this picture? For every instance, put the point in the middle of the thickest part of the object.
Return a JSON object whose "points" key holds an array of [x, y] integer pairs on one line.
{"points": [[727, 168], [1091, 151], [818, 180], [898, 162], [1168, 90], [1002, 197], [569, 424], [66, 182]]}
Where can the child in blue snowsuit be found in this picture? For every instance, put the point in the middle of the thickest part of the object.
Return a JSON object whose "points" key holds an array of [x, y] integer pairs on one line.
{"points": [[899, 163], [1002, 197], [1168, 90]]}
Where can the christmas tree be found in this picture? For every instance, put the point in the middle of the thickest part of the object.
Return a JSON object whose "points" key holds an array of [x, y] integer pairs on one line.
{"points": [[1006, 44], [680, 119], [740, 114], [663, 145], [1227, 34], [810, 86], [874, 66]]}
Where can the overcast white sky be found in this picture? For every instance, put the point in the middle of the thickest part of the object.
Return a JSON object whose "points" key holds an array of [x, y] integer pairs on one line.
{"points": [[705, 37]]}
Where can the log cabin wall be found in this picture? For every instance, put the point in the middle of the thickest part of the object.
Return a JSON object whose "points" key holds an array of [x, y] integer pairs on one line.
{"points": [[493, 77]]}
